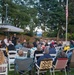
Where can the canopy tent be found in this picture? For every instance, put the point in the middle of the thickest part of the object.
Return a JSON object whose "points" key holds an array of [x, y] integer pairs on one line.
{"points": [[10, 28]]}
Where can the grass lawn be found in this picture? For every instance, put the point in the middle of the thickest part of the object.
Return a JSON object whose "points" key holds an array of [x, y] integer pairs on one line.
{"points": [[47, 73]]}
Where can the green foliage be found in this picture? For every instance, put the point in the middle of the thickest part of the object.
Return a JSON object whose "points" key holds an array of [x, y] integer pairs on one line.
{"points": [[71, 12], [50, 13], [45, 34], [18, 13], [71, 28], [29, 34], [28, 38], [37, 39], [70, 36], [52, 34]]}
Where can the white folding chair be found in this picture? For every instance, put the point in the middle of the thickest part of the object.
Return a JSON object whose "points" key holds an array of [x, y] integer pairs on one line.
{"points": [[3, 69], [3, 49], [11, 58], [25, 54], [53, 55], [37, 55]]}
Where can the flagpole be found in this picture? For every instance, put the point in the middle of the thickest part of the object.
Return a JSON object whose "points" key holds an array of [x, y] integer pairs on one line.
{"points": [[66, 19]]}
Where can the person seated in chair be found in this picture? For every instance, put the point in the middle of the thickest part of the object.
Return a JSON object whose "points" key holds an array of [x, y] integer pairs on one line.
{"points": [[52, 49], [21, 56], [18, 45], [2, 57], [32, 50], [11, 46], [38, 51], [70, 59], [3, 60], [46, 55], [62, 54]]}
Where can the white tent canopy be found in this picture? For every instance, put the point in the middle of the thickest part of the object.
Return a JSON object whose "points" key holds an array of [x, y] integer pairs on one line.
{"points": [[10, 28]]}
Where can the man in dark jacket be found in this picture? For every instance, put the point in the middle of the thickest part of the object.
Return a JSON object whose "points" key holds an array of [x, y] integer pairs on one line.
{"points": [[46, 55], [14, 39]]}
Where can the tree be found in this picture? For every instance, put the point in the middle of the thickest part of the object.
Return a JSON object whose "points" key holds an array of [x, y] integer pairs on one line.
{"points": [[20, 13], [32, 13], [71, 19], [51, 14], [2, 10], [71, 12], [45, 13]]}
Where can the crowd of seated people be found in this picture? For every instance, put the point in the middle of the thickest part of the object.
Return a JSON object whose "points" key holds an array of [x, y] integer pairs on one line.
{"points": [[19, 45], [45, 47]]}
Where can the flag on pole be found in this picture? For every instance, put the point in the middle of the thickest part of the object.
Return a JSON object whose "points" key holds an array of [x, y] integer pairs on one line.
{"points": [[66, 11], [66, 19]]}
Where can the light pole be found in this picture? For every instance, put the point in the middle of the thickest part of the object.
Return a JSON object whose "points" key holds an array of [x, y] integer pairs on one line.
{"points": [[6, 13], [66, 19]]}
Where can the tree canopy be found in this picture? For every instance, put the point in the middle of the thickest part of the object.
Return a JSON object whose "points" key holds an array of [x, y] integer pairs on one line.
{"points": [[32, 13]]}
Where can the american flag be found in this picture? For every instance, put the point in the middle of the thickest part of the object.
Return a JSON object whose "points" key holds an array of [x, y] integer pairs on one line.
{"points": [[66, 11]]}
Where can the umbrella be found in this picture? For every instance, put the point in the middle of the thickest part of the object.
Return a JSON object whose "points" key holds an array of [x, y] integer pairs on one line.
{"points": [[10, 28]]}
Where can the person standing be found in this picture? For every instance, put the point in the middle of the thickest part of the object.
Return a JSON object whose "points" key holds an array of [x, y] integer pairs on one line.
{"points": [[14, 39]]}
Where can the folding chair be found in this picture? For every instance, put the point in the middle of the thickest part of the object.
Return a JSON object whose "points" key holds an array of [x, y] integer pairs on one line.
{"points": [[53, 55], [72, 60], [24, 65], [3, 69], [45, 65], [25, 54], [71, 65], [60, 65], [37, 56], [11, 58]]}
